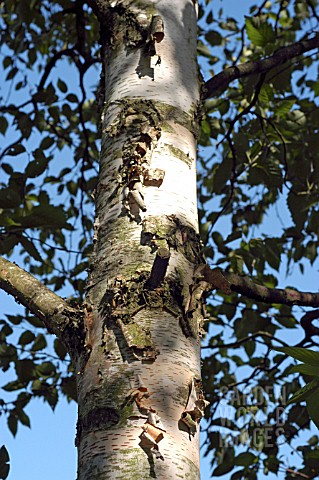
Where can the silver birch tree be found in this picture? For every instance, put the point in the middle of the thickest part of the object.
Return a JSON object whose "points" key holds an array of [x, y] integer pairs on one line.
{"points": [[135, 340]]}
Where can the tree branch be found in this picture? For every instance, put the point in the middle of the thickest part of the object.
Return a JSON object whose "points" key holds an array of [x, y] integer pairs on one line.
{"points": [[232, 282], [55, 313], [260, 333], [286, 296], [99, 7], [218, 84], [69, 52], [309, 329]]}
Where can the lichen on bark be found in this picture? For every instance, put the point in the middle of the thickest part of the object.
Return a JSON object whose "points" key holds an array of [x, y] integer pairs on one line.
{"points": [[149, 130]]}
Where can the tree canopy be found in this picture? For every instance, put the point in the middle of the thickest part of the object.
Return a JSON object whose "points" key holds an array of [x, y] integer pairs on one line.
{"points": [[258, 188]]}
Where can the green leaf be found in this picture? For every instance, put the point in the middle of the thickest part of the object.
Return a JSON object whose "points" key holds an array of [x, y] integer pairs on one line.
{"points": [[227, 463], [25, 370], [68, 387], [3, 125], [301, 354], [272, 253], [34, 321], [283, 107], [7, 61], [312, 403], [36, 167], [72, 187], [44, 216], [30, 248], [26, 337], [260, 35], [62, 86], [297, 205], [304, 392], [297, 119], [59, 349], [266, 94], [250, 348], [7, 168], [12, 386], [46, 369], [205, 127], [245, 459], [37, 386], [14, 319], [288, 322], [80, 267], [72, 98], [46, 143], [9, 198], [222, 175], [51, 396], [40, 343], [305, 369], [230, 24], [12, 73], [22, 400], [13, 424], [16, 150], [7, 355], [4, 463], [214, 38], [205, 133], [203, 50], [25, 125], [23, 418]]}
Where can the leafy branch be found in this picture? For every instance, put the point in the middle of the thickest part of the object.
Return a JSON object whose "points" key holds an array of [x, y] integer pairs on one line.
{"points": [[246, 110], [218, 84]]}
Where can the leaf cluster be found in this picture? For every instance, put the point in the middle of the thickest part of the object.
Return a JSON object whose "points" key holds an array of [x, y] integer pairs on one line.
{"points": [[44, 202], [34, 371], [258, 198]]}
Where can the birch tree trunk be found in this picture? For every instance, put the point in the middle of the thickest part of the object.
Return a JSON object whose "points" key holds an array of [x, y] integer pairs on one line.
{"points": [[139, 391]]}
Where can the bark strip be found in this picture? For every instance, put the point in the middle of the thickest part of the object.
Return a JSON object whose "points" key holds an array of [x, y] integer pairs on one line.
{"points": [[218, 84]]}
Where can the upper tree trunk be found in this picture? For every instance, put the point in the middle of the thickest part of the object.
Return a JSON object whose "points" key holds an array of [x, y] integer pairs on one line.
{"points": [[142, 352]]}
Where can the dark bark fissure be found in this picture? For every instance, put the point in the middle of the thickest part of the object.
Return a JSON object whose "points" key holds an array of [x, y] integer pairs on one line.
{"points": [[159, 268], [170, 232], [126, 298], [96, 419]]}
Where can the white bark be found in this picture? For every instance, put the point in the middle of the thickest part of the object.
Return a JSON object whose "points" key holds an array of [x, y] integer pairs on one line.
{"points": [[139, 358]]}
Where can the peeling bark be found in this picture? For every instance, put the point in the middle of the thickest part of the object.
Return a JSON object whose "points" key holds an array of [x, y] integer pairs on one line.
{"points": [[142, 346]]}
